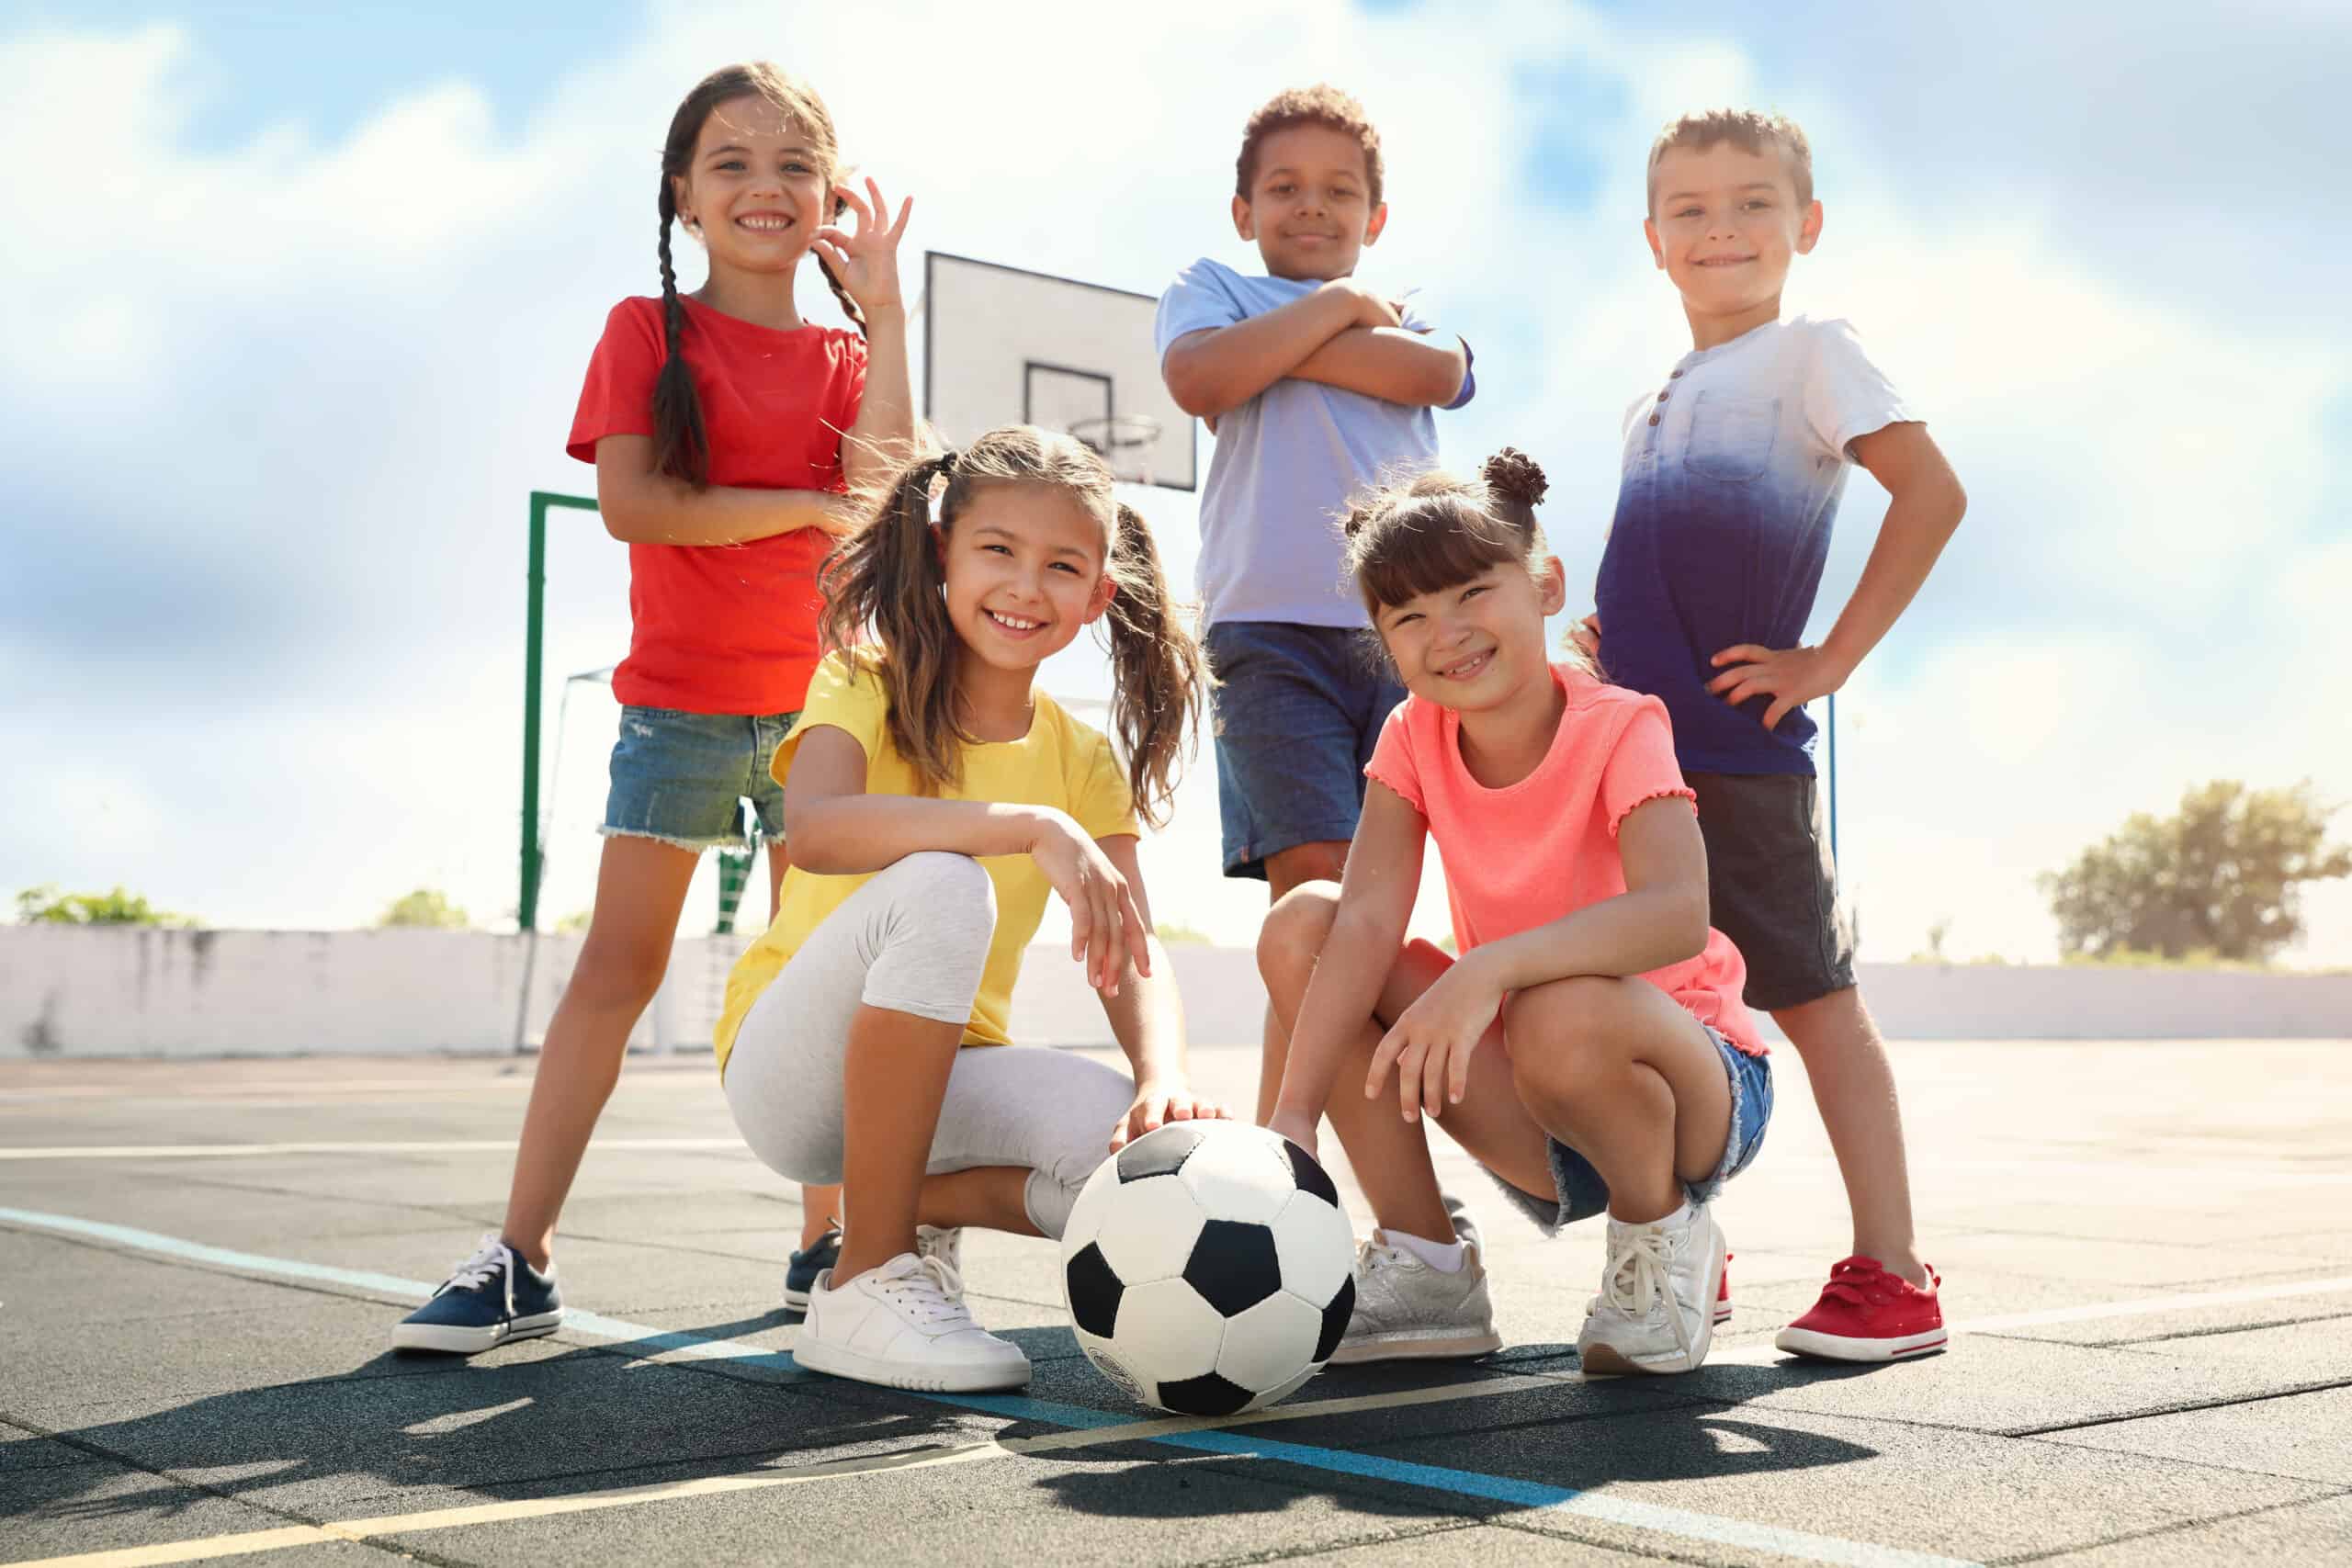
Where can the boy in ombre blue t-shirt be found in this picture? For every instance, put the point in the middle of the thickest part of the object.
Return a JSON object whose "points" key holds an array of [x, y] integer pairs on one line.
{"points": [[1733, 464]]}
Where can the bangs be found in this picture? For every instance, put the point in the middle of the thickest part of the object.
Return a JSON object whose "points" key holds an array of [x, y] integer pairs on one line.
{"points": [[1429, 548]]}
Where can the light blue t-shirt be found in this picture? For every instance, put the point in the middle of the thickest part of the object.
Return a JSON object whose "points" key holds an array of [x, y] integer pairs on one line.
{"points": [[1734, 466], [1287, 463]]}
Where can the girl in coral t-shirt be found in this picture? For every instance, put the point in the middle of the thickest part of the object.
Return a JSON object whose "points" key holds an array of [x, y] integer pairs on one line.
{"points": [[727, 434], [1590, 1047]]}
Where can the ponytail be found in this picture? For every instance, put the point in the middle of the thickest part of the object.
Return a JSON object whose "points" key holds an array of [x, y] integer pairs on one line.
{"points": [[1157, 678], [885, 583]]}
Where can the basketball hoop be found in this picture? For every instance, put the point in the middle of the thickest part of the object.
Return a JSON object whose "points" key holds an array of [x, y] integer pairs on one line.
{"points": [[1124, 441]]}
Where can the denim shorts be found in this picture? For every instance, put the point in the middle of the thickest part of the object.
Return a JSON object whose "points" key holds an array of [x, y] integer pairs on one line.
{"points": [[678, 776], [1772, 886], [1582, 1194], [1298, 712]]}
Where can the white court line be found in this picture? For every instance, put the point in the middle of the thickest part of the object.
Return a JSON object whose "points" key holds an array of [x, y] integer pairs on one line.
{"points": [[234, 1151], [1203, 1435], [1192, 1432]]}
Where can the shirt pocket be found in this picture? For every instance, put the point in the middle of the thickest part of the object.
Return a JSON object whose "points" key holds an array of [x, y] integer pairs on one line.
{"points": [[1731, 438]]}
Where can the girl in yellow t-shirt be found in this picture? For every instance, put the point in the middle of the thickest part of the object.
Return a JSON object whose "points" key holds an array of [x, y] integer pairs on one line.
{"points": [[934, 796]]}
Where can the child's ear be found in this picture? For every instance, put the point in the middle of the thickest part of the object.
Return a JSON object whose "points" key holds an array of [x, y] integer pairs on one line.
{"points": [[1552, 585], [1809, 229], [1657, 251], [1376, 223], [1105, 589], [1245, 223]]}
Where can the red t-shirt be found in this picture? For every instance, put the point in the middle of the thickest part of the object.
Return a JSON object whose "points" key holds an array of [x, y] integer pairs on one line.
{"points": [[727, 628]]}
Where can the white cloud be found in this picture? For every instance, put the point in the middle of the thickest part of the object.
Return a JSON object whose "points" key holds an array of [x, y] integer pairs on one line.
{"points": [[293, 393]]}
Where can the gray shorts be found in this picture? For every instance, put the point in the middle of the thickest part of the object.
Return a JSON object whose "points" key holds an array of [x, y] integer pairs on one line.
{"points": [[1772, 886]]}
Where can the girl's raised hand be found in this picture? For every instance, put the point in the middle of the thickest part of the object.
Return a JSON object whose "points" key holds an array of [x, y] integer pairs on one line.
{"points": [[1432, 1041], [865, 258], [1106, 926]]}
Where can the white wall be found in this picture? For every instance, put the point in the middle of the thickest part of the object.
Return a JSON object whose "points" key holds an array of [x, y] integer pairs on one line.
{"points": [[83, 991]]}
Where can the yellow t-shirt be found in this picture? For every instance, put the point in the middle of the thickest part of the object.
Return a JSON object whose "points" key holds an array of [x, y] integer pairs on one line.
{"points": [[1060, 763]]}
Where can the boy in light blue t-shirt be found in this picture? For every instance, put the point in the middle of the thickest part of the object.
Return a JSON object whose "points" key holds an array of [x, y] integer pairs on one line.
{"points": [[1316, 387]]}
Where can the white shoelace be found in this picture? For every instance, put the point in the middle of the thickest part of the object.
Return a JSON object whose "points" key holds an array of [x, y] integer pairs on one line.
{"points": [[492, 1257], [931, 1293], [1640, 1277]]}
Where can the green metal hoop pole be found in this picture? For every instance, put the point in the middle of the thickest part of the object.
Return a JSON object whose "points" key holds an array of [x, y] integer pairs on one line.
{"points": [[527, 905]]}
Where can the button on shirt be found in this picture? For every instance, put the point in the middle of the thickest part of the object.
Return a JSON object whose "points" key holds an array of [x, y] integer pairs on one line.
{"points": [[1733, 472]]}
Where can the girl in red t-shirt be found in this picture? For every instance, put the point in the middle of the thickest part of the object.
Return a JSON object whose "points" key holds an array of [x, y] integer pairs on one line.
{"points": [[727, 434]]}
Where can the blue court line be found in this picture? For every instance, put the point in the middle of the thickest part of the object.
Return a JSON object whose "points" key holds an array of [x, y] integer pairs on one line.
{"points": [[1598, 1506]]}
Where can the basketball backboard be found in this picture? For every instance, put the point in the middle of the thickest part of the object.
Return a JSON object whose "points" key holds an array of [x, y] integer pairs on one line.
{"points": [[1004, 347]]}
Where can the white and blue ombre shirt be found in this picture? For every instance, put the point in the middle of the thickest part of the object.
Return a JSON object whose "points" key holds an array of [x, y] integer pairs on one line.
{"points": [[1734, 466]]}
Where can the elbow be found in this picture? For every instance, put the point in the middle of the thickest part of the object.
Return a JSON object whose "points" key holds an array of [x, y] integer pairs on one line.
{"points": [[1445, 381], [1192, 390], [1685, 929]]}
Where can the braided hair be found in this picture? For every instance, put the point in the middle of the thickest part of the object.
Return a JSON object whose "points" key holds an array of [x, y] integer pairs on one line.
{"points": [[681, 443]]}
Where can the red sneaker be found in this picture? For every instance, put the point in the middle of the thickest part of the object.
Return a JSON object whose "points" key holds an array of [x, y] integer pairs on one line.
{"points": [[1868, 1314], [1723, 1297]]}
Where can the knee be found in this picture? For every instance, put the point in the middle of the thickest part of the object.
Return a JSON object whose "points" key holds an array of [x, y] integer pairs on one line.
{"points": [[1560, 1032], [1294, 932], [946, 902], [617, 974]]}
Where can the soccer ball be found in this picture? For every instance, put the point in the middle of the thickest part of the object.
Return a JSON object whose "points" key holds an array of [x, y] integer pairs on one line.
{"points": [[1209, 1268]]}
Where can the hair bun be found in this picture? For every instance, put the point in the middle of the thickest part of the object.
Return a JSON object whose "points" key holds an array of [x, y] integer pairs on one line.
{"points": [[1515, 476]]}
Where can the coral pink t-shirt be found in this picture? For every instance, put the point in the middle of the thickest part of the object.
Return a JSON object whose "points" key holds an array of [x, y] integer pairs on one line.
{"points": [[1533, 852], [727, 628]]}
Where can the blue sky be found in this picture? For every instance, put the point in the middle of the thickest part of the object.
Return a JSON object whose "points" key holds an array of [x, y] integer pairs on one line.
{"points": [[286, 340]]}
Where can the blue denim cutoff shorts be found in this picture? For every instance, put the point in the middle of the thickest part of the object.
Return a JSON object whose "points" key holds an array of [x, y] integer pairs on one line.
{"points": [[676, 776], [1298, 712], [1582, 1193]]}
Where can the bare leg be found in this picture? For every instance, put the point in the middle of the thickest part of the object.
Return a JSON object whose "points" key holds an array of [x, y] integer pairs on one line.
{"points": [[894, 1079], [1853, 1083], [1617, 1071], [1321, 861], [820, 1207], [641, 887], [992, 1196], [1391, 1155]]}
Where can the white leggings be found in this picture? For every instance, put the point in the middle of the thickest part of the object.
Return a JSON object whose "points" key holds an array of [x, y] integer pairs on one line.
{"points": [[914, 939]]}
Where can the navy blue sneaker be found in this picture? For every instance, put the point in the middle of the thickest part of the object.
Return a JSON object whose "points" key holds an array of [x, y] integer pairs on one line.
{"points": [[494, 1297], [807, 1264]]}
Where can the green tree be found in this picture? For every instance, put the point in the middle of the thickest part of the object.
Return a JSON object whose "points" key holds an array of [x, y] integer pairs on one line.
{"points": [[428, 909], [2222, 877], [47, 906]]}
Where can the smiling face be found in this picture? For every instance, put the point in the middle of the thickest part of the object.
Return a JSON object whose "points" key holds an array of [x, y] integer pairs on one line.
{"points": [[1024, 569], [758, 189], [1478, 644], [1726, 224], [1309, 207]]}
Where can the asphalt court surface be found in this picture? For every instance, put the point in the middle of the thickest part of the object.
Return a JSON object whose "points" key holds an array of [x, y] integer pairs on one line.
{"points": [[2144, 1250]]}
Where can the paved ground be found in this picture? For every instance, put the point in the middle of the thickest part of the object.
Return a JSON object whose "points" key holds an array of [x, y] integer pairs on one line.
{"points": [[2146, 1243]]}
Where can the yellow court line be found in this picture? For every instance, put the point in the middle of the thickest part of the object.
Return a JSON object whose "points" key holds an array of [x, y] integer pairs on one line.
{"points": [[279, 1539], [282, 1537]]}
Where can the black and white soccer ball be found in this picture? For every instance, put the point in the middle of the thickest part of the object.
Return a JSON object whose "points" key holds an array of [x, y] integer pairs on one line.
{"points": [[1209, 1268]]}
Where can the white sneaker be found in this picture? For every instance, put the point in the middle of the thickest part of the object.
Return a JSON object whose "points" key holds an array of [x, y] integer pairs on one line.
{"points": [[1407, 1310], [1655, 1309], [905, 1325]]}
